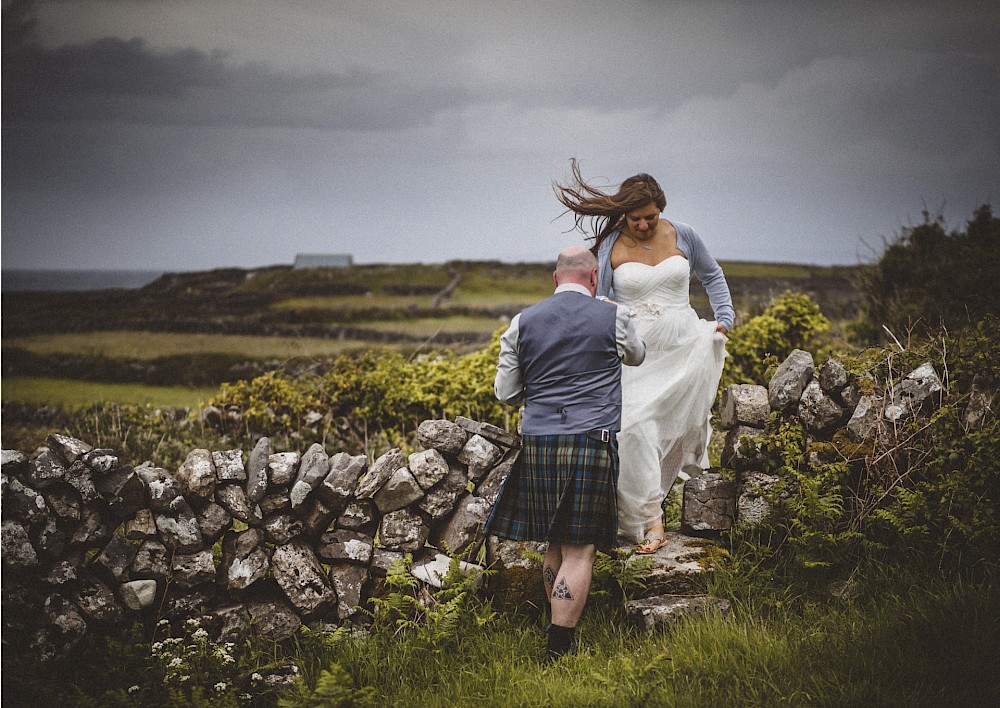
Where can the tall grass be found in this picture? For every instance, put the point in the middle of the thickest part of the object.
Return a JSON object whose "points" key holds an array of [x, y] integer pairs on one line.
{"points": [[925, 646]]}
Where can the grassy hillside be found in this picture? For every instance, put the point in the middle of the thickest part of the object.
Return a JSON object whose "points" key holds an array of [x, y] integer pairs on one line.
{"points": [[203, 328]]}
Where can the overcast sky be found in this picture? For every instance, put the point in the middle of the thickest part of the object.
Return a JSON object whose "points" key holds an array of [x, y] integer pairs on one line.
{"points": [[195, 134]]}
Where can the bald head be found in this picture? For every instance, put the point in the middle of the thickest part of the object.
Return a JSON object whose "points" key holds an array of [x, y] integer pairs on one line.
{"points": [[576, 264]]}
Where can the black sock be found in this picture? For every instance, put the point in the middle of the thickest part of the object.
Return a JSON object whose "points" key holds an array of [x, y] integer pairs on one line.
{"points": [[561, 640]]}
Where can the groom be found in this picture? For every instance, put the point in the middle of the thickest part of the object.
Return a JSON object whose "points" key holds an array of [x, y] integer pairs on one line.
{"points": [[562, 358]]}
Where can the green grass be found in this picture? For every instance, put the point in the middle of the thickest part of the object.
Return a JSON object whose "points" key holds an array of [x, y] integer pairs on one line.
{"points": [[930, 643], [347, 302], [68, 392], [152, 345]]}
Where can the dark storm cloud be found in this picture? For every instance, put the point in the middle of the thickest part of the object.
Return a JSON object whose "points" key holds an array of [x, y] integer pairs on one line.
{"points": [[112, 79]]}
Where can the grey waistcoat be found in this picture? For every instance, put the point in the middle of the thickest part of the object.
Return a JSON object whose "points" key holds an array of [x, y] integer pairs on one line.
{"points": [[572, 373]]}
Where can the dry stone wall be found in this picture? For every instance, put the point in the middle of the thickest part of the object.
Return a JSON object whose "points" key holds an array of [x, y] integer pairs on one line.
{"points": [[267, 539]]}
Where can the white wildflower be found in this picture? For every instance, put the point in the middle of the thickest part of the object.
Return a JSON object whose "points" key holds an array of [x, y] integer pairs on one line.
{"points": [[200, 634], [183, 678], [133, 689], [221, 686], [163, 623], [256, 677], [176, 661]]}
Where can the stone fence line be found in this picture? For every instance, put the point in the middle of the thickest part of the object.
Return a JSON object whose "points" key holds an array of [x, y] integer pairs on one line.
{"points": [[91, 543]]}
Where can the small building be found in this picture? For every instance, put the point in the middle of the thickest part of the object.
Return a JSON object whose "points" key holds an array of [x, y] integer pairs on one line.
{"points": [[323, 260]]}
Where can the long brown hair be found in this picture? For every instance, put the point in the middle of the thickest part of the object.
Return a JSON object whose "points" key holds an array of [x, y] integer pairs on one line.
{"points": [[606, 211]]}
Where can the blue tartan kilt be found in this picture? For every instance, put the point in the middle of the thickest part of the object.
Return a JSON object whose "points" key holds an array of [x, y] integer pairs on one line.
{"points": [[563, 489]]}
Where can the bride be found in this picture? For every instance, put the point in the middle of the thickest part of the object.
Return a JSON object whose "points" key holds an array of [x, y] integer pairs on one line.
{"points": [[646, 262]]}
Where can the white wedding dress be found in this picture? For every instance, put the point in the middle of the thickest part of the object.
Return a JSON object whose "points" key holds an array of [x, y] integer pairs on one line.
{"points": [[667, 400]]}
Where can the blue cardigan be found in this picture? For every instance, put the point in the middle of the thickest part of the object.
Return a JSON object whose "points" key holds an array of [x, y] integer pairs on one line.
{"points": [[705, 268]]}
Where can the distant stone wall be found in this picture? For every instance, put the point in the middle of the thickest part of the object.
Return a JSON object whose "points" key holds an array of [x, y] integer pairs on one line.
{"points": [[91, 543]]}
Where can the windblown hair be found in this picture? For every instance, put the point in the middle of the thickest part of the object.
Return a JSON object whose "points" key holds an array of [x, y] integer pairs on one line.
{"points": [[606, 211]]}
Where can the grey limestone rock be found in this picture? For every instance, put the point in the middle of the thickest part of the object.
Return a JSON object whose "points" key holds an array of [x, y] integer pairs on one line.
{"points": [[97, 602], [191, 569], [138, 595], [652, 613], [708, 505], [179, 532], [196, 475], [100, 461], [301, 578], [435, 571], [273, 620], [442, 435], [229, 466], [63, 501], [383, 559], [400, 490], [489, 488], [440, 500], [744, 404], [865, 420], [494, 434], [920, 389], [282, 467], [818, 412], [313, 470], [464, 529], [63, 630], [17, 549], [213, 521], [22, 503], [152, 561], [789, 381], [428, 467], [345, 545], [739, 452], [359, 516], [342, 480], [94, 529], [832, 376], [141, 526], [479, 455], [256, 469], [348, 580], [751, 505], [123, 490], [244, 559], [45, 470], [161, 487], [316, 518], [81, 478], [379, 473], [282, 528], [69, 449], [235, 501], [117, 557], [403, 530]]}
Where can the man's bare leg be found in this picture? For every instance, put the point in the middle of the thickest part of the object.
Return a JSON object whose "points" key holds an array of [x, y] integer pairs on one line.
{"points": [[567, 571], [572, 583]]}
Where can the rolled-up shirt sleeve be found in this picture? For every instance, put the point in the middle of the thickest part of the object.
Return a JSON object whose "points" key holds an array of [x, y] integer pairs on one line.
{"points": [[508, 385], [631, 348]]}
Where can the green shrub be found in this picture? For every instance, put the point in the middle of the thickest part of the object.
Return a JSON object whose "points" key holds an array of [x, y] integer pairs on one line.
{"points": [[791, 321], [931, 278]]}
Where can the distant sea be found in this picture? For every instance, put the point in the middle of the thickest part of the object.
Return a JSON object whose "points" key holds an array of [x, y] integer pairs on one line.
{"points": [[24, 279]]}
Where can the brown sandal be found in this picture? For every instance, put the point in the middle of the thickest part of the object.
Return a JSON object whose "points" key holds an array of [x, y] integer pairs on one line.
{"points": [[651, 543]]}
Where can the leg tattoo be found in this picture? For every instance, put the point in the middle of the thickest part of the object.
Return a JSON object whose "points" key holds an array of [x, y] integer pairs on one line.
{"points": [[549, 577], [562, 591]]}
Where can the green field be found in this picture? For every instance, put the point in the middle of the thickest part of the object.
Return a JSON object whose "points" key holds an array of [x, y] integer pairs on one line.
{"points": [[152, 345], [68, 392]]}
